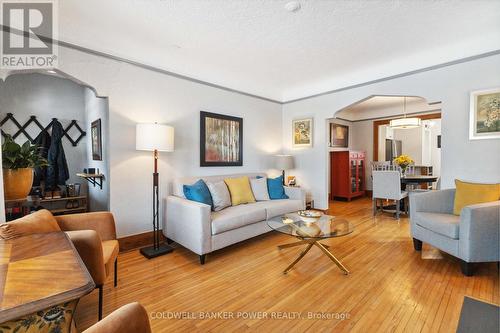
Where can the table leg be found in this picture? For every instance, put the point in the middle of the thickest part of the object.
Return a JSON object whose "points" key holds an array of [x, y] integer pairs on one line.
{"points": [[332, 257], [299, 257], [284, 246]]}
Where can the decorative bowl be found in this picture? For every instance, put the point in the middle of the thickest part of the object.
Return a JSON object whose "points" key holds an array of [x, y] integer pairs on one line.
{"points": [[309, 216]]}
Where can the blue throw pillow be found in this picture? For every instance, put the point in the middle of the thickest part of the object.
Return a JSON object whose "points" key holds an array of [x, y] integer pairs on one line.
{"points": [[198, 192], [275, 188]]}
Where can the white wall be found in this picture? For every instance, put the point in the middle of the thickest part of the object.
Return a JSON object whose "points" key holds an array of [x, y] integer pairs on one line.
{"points": [[138, 95], [411, 142], [461, 158], [97, 108], [46, 97]]}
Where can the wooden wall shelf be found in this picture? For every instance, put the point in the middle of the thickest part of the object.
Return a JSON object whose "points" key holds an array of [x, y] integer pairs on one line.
{"points": [[94, 179]]}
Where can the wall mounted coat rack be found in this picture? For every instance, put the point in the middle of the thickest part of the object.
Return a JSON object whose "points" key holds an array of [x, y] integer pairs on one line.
{"points": [[22, 128]]}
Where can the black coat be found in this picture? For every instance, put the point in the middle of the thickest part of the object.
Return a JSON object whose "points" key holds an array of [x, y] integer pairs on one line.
{"points": [[43, 143], [57, 171]]}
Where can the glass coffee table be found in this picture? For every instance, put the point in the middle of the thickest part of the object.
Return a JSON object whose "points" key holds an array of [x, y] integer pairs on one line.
{"points": [[311, 233]]}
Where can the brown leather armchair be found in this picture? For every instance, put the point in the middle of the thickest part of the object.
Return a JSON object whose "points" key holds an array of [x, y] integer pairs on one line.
{"points": [[130, 318], [94, 237]]}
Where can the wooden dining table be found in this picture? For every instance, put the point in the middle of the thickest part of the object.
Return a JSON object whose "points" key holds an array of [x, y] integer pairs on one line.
{"points": [[42, 278]]}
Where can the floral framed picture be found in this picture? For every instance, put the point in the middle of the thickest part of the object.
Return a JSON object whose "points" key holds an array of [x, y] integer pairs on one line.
{"points": [[484, 117], [302, 132]]}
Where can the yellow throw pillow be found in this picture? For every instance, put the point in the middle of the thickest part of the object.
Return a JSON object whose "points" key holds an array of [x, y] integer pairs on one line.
{"points": [[240, 190], [474, 193]]}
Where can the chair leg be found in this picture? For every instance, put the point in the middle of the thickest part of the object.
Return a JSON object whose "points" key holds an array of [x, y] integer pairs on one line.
{"points": [[467, 268], [398, 208], [100, 303], [202, 259], [374, 206], [417, 244], [116, 272]]}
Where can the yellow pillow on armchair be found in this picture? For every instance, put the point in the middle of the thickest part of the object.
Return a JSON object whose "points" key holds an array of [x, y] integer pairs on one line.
{"points": [[240, 190], [474, 193]]}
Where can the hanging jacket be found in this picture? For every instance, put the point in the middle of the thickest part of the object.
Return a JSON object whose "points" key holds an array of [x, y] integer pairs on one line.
{"points": [[43, 143], [57, 171]]}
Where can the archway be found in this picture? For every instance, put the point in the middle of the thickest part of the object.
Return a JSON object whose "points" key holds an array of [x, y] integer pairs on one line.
{"points": [[362, 122], [46, 96]]}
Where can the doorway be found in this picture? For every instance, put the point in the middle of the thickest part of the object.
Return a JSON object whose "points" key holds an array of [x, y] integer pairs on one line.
{"points": [[44, 108]]}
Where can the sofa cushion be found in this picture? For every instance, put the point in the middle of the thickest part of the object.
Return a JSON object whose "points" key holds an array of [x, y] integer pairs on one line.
{"points": [[280, 207], [236, 217], [443, 224], [220, 195], [276, 189], [240, 190], [259, 189], [198, 192], [474, 193]]}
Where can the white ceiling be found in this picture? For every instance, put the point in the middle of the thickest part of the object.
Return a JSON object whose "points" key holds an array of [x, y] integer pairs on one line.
{"points": [[386, 106], [256, 46]]}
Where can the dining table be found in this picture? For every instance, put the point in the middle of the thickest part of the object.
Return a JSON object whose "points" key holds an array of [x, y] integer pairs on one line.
{"points": [[417, 180], [42, 277]]}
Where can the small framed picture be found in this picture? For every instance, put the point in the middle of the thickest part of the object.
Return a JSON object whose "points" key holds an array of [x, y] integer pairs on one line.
{"points": [[291, 181], [339, 136], [484, 116], [96, 137], [302, 132]]}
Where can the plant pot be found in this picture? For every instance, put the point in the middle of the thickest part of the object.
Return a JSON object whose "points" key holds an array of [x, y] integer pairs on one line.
{"points": [[17, 183]]}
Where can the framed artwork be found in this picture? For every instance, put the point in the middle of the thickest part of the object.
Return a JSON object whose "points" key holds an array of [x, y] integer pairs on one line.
{"points": [[484, 117], [339, 136], [221, 140], [302, 132], [96, 137]]}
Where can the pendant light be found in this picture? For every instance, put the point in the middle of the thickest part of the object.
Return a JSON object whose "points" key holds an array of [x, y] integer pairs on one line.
{"points": [[405, 123]]}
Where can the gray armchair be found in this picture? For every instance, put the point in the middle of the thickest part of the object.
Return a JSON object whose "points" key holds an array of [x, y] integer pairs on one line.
{"points": [[472, 237]]}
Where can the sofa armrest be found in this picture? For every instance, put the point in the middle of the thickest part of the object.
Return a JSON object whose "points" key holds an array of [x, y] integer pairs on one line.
{"points": [[479, 232], [440, 201], [88, 245], [296, 193], [189, 224], [102, 222]]}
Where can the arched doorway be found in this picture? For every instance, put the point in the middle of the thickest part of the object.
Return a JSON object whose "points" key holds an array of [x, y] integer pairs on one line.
{"points": [[362, 127], [31, 102]]}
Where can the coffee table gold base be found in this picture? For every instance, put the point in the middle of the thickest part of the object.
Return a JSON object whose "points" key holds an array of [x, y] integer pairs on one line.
{"points": [[310, 243]]}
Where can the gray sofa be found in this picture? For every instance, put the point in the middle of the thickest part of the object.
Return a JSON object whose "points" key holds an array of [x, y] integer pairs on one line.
{"points": [[472, 237], [194, 226]]}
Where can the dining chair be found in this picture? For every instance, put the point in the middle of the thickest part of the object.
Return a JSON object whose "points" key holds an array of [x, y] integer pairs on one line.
{"points": [[130, 318], [383, 166], [387, 186], [94, 237]]}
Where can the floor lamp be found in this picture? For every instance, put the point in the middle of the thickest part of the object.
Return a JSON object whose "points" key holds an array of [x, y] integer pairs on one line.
{"points": [[155, 137]]}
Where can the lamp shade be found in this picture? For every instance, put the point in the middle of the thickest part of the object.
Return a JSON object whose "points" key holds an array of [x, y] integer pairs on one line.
{"points": [[284, 162], [154, 137], [404, 123]]}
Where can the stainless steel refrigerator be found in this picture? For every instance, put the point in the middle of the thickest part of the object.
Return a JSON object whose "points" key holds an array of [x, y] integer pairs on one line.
{"points": [[393, 148]]}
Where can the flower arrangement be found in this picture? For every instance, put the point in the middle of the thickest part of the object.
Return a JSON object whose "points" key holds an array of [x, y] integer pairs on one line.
{"points": [[403, 161]]}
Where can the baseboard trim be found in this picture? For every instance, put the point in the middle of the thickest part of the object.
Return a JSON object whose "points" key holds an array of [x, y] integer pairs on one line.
{"points": [[134, 242]]}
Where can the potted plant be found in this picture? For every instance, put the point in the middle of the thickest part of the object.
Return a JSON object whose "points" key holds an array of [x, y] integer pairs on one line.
{"points": [[18, 163], [403, 161]]}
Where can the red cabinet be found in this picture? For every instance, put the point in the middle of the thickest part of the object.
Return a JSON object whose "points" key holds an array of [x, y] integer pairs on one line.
{"points": [[347, 174]]}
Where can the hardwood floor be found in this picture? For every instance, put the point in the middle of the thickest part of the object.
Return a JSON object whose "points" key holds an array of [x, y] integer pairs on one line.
{"points": [[390, 288]]}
